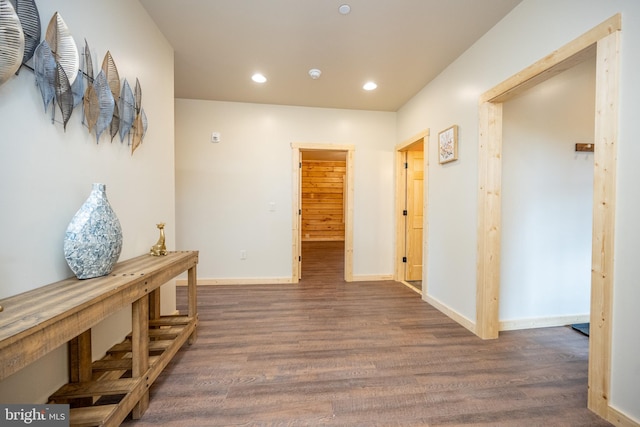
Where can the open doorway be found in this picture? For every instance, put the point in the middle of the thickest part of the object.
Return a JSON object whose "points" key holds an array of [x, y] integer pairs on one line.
{"points": [[547, 199], [410, 209], [322, 209], [605, 41]]}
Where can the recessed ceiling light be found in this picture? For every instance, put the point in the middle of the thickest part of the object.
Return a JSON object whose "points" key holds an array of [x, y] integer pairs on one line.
{"points": [[258, 78], [344, 9], [369, 86]]}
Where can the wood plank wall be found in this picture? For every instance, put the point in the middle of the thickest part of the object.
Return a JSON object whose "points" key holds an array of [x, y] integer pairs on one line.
{"points": [[323, 191]]}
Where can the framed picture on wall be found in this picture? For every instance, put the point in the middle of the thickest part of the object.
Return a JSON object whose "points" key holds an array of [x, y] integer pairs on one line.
{"points": [[448, 145]]}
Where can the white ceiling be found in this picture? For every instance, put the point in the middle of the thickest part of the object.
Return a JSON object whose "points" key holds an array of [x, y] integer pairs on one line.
{"points": [[400, 44]]}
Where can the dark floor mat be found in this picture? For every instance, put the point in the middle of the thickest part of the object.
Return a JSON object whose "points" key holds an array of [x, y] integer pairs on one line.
{"points": [[581, 327]]}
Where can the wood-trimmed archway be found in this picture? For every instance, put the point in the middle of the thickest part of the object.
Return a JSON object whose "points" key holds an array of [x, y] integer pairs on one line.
{"points": [[605, 41]]}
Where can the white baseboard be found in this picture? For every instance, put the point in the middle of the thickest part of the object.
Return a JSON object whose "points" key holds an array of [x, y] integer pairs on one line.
{"points": [[451, 313], [238, 281], [619, 419], [371, 278], [542, 322]]}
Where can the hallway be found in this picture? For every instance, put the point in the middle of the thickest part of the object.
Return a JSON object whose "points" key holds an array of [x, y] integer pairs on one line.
{"points": [[322, 262], [328, 353]]}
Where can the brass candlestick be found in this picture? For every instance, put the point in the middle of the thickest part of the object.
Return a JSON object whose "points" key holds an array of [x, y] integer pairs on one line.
{"points": [[159, 248]]}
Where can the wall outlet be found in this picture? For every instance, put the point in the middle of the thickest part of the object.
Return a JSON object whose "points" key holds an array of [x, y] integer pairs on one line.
{"points": [[243, 254]]}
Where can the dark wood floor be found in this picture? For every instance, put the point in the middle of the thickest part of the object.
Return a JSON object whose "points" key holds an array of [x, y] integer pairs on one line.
{"points": [[329, 353]]}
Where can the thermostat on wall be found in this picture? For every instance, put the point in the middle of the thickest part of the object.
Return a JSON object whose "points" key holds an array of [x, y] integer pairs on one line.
{"points": [[215, 137]]}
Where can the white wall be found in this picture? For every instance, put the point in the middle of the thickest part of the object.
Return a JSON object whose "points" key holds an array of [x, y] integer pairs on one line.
{"points": [[224, 189], [519, 40], [46, 173], [547, 197]]}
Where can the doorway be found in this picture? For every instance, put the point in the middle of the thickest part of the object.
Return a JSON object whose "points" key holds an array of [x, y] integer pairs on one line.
{"points": [[547, 194], [316, 215], [411, 158], [605, 41]]}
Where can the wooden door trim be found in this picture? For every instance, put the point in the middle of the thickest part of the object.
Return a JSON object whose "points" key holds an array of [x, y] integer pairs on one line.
{"points": [[296, 148], [604, 39], [421, 138]]}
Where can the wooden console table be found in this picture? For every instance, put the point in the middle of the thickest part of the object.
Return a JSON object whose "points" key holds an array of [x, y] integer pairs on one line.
{"points": [[105, 391]]}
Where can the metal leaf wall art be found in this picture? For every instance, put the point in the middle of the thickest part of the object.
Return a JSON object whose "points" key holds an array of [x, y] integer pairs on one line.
{"points": [[111, 73], [105, 102], [140, 122], [127, 110], [113, 78], [11, 41], [145, 122], [91, 106], [63, 46], [88, 62], [60, 73], [136, 139], [114, 128], [88, 73], [27, 12], [64, 95], [138, 96], [78, 87], [44, 68]]}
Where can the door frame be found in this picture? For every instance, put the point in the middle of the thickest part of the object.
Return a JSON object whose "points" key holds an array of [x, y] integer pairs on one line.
{"points": [[296, 165], [401, 188], [603, 41]]}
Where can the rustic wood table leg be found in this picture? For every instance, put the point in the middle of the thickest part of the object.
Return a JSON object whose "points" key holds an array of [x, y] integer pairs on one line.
{"points": [[80, 363], [154, 305], [140, 349], [80, 358], [192, 300]]}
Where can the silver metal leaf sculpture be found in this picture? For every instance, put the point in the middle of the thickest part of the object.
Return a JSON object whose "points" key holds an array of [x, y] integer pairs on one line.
{"points": [[78, 88], [114, 128], [138, 96], [27, 12], [106, 103], [11, 41], [64, 95], [111, 73], [63, 46], [44, 68], [145, 122], [127, 110], [140, 124]]}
